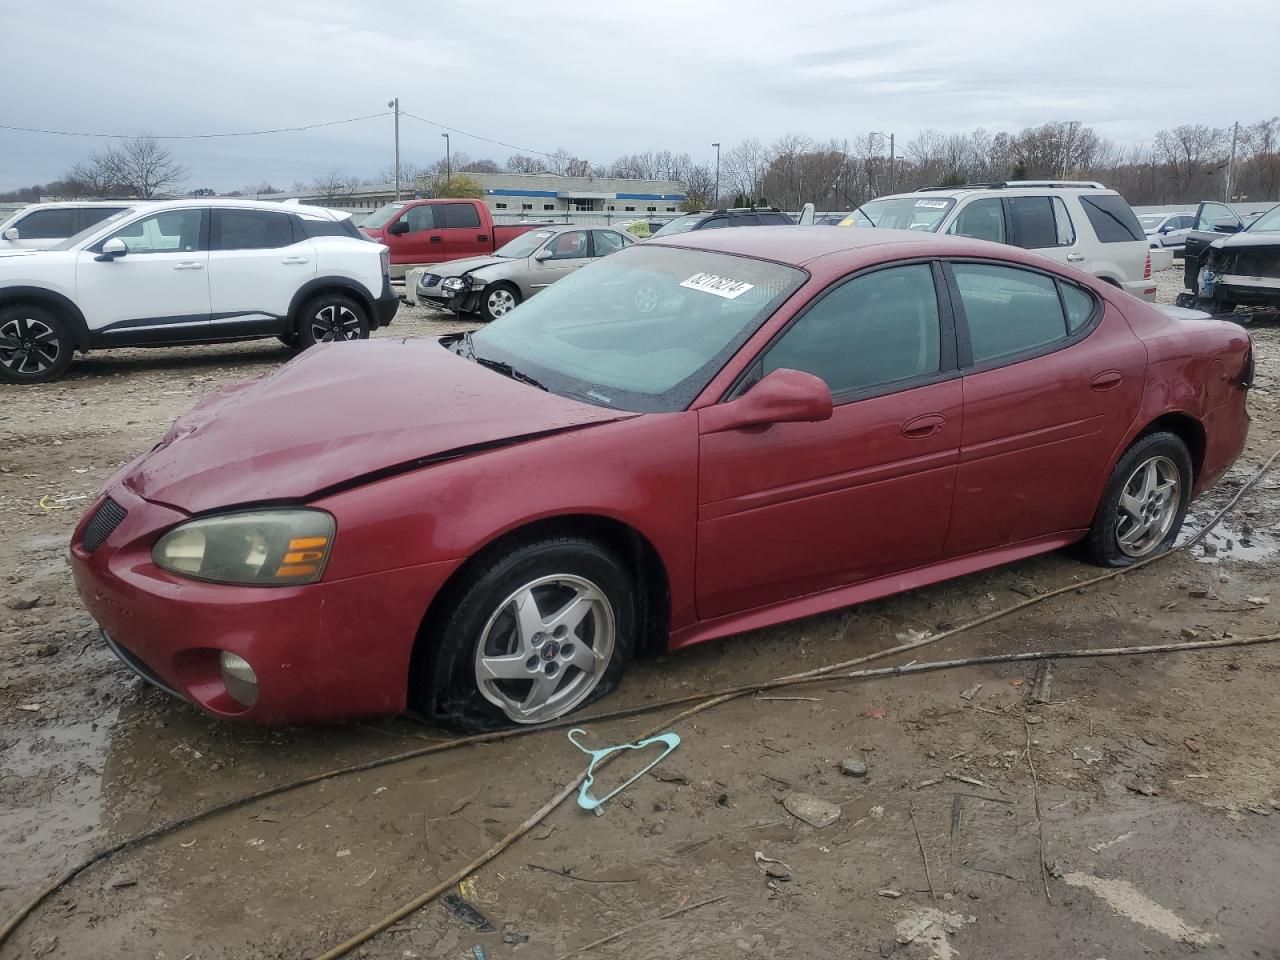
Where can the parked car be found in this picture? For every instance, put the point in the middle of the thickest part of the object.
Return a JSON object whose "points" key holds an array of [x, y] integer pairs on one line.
{"points": [[491, 286], [43, 225], [489, 526], [1167, 230], [1213, 221], [1079, 223], [730, 217], [186, 272], [1240, 268], [422, 232]]}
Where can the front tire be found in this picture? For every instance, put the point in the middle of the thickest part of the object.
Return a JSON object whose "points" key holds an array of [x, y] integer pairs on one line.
{"points": [[331, 317], [35, 344], [1144, 504], [498, 300], [528, 635]]}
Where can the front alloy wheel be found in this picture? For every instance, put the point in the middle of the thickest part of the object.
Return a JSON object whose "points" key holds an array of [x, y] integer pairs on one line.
{"points": [[498, 302], [545, 648], [335, 321], [34, 345], [1148, 506]]}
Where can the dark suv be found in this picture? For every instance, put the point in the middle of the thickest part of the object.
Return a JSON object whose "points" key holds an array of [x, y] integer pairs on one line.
{"points": [[733, 217]]}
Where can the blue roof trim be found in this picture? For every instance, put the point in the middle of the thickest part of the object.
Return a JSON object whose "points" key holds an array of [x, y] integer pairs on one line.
{"points": [[652, 196], [522, 193]]}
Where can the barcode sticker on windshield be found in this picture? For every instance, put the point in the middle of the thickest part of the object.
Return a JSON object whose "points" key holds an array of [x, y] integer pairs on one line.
{"points": [[932, 204], [720, 286]]}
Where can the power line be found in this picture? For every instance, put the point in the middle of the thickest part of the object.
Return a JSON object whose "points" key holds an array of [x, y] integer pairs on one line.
{"points": [[476, 136], [195, 136]]}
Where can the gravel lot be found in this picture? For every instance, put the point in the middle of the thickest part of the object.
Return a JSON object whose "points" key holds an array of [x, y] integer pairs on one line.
{"points": [[1157, 778]]}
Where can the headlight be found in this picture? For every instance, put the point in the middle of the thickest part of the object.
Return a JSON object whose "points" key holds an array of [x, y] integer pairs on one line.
{"points": [[454, 283], [256, 547]]}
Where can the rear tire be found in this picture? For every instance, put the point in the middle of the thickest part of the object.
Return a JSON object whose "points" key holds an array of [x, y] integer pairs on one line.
{"points": [[1144, 504], [331, 317], [494, 655], [35, 344]]}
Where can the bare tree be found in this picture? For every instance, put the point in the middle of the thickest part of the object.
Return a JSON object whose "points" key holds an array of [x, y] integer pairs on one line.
{"points": [[334, 186], [519, 163], [138, 166], [1189, 153]]}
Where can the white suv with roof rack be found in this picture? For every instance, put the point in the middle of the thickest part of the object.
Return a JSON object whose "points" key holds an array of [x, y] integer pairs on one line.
{"points": [[1076, 222], [167, 273]]}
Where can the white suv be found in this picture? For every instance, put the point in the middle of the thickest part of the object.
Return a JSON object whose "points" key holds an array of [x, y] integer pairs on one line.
{"points": [[191, 271], [42, 225], [1080, 223]]}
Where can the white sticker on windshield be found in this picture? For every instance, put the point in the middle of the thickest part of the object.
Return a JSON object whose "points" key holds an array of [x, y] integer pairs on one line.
{"points": [[932, 204], [720, 286]]}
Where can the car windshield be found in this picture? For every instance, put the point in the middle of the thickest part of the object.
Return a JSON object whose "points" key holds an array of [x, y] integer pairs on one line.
{"points": [[1269, 222], [382, 216], [644, 329], [88, 232], [678, 225], [901, 213], [1151, 221], [524, 245]]}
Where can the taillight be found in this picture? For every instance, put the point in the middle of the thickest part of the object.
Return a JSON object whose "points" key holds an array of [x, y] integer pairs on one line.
{"points": [[1250, 371], [1146, 271], [385, 256]]}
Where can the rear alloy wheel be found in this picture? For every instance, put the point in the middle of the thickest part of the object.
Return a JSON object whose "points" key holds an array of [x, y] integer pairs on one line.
{"points": [[528, 636], [498, 301], [35, 344], [330, 318], [1145, 502]]}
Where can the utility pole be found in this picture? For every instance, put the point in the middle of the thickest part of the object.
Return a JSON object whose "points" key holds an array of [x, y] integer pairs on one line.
{"points": [[1231, 163], [891, 163], [395, 105], [448, 163], [716, 201]]}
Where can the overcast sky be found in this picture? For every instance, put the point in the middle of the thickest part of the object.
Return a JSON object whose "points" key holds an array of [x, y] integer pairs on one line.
{"points": [[600, 79]]}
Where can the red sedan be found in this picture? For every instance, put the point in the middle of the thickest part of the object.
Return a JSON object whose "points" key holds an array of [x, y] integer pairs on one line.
{"points": [[691, 438]]}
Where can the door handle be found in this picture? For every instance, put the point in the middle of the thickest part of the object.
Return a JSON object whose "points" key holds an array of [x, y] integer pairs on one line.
{"points": [[482, 237], [189, 265], [294, 260], [436, 239], [924, 426], [1074, 257], [1106, 380]]}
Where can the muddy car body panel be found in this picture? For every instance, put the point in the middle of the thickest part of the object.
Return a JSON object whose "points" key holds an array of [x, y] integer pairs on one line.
{"points": [[443, 462]]}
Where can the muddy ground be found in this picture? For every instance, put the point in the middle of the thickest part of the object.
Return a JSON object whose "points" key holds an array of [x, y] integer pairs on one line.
{"points": [[1158, 777]]}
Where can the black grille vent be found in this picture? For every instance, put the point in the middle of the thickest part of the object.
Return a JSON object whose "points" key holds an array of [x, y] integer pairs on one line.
{"points": [[431, 279], [109, 516]]}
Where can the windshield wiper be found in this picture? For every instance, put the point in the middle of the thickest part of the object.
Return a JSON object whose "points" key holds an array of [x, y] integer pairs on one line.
{"points": [[507, 370]]}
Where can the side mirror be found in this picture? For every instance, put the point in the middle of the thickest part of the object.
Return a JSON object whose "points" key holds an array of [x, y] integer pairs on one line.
{"points": [[398, 228], [115, 247], [1226, 226], [784, 396], [11, 233], [543, 255]]}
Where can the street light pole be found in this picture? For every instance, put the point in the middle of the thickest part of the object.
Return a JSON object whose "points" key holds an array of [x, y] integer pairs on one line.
{"points": [[448, 163], [716, 202], [1231, 163], [395, 105]]}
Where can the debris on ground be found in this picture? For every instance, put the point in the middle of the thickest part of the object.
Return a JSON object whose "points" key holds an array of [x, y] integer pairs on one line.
{"points": [[931, 927], [23, 601], [1087, 754], [585, 800], [877, 714], [774, 869], [812, 810], [889, 893], [852, 767], [971, 692], [1144, 788], [467, 913]]}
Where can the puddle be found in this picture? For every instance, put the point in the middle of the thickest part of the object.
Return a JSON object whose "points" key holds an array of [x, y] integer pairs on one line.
{"points": [[1230, 541]]}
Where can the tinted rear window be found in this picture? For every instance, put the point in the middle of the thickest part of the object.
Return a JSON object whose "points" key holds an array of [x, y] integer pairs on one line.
{"points": [[460, 215], [344, 227], [1112, 219]]}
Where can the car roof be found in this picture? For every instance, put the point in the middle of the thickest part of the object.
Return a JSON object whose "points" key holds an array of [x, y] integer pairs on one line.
{"points": [[956, 193], [233, 203], [798, 245], [57, 204]]}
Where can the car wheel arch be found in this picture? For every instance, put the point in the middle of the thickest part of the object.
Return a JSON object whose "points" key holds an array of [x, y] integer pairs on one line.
{"points": [[1185, 426], [629, 543], [322, 285], [50, 300]]}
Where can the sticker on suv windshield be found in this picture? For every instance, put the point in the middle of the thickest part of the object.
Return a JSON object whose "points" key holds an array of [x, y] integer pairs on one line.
{"points": [[932, 204], [720, 286]]}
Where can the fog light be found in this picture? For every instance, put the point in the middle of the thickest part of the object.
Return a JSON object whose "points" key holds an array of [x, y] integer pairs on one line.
{"points": [[238, 677]]}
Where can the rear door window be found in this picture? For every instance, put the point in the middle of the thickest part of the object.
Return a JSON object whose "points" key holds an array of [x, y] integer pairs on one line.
{"points": [[1033, 224], [56, 224], [460, 216], [1111, 218], [1008, 310], [251, 230], [606, 242], [981, 219]]}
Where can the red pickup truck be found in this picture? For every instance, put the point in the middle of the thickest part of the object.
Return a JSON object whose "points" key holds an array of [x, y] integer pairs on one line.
{"points": [[419, 232]]}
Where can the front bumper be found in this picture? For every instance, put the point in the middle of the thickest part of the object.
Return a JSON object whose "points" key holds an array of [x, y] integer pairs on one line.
{"points": [[327, 651], [387, 304]]}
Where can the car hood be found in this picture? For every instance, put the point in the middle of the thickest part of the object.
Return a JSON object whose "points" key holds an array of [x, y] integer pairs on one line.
{"points": [[8, 252], [456, 268], [1248, 239], [342, 414]]}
